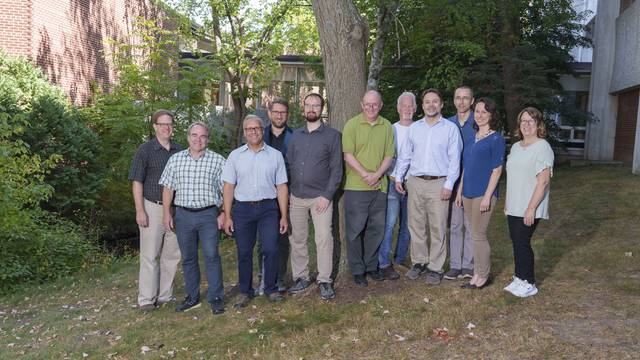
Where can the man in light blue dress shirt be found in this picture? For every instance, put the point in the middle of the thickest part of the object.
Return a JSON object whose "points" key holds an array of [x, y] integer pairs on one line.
{"points": [[429, 160], [255, 202]]}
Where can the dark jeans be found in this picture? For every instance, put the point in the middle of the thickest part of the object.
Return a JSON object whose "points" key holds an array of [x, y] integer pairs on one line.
{"points": [[202, 227], [522, 251], [365, 213], [249, 220], [283, 255]]}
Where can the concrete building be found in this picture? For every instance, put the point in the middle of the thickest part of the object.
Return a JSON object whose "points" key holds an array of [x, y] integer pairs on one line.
{"points": [[615, 84]]}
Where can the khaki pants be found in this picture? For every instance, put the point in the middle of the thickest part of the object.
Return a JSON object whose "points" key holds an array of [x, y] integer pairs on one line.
{"points": [[156, 280], [426, 208], [479, 222], [299, 210]]}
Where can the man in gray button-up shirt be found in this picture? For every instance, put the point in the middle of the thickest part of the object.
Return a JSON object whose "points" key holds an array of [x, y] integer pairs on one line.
{"points": [[314, 157]]}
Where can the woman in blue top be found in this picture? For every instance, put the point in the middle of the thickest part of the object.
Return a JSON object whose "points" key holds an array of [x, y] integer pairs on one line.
{"points": [[478, 190]]}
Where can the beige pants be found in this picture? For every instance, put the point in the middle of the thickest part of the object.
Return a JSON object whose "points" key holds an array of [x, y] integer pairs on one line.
{"points": [[424, 207], [299, 210], [156, 280], [479, 221]]}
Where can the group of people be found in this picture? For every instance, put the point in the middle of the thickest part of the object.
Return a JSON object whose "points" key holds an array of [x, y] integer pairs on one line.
{"points": [[430, 174]]}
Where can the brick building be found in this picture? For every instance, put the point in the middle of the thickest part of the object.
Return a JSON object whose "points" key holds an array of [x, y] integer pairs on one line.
{"points": [[68, 39]]}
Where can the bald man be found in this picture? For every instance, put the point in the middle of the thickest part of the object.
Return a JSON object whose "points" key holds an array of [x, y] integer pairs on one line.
{"points": [[368, 149]]}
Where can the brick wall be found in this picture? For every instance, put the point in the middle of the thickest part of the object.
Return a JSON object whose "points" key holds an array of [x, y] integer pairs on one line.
{"points": [[68, 39], [15, 24]]}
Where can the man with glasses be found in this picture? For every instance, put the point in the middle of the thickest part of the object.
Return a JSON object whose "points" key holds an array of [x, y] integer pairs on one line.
{"points": [[194, 177], [315, 163], [255, 203], [368, 148], [278, 135], [155, 283]]}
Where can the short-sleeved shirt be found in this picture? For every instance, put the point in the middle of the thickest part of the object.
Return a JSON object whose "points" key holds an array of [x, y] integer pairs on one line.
{"points": [[369, 144], [148, 164], [197, 182], [255, 174], [523, 166], [400, 133], [315, 162], [481, 158]]}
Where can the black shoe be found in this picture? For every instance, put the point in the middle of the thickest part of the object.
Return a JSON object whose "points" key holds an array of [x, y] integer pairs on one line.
{"points": [[326, 291], [376, 275], [243, 301], [300, 286], [281, 286], [360, 280], [188, 304], [475, 287], [217, 306], [390, 273], [275, 297], [416, 271]]}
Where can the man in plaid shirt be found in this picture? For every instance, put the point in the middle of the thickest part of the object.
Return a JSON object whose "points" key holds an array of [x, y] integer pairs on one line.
{"points": [[194, 177]]}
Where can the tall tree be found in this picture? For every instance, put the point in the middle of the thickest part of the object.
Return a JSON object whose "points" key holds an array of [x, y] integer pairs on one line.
{"points": [[384, 18], [343, 39]]}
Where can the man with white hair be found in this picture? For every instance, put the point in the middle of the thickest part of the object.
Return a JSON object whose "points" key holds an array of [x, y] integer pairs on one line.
{"points": [[256, 201], [194, 176], [396, 202]]}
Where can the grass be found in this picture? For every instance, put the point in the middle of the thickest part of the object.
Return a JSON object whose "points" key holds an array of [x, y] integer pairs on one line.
{"points": [[588, 305]]}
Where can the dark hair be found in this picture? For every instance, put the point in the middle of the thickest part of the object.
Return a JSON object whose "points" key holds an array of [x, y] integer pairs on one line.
{"points": [[430, 90], [278, 100], [464, 87], [161, 112], [539, 119], [490, 106], [316, 95]]}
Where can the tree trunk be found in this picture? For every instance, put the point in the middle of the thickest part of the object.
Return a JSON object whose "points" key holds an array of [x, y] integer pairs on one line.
{"points": [[383, 22], [343, 40]]}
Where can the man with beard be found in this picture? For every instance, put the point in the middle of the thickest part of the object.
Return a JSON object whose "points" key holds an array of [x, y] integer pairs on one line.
{"points": [[368, 148], [255, 203], [278, 135], [314, 158], [431, 153]]}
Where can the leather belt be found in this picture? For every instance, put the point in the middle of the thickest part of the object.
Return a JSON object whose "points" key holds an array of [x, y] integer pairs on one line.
{"points": [[197, 209], [429, 177], [255, 203]]}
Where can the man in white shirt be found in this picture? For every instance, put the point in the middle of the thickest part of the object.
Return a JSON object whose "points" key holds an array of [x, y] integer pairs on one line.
{"points": [[430, 156]]}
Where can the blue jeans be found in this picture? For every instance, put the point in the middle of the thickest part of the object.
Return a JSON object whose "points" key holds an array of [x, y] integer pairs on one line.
{"points": [[249, 220], [202, 227], [396, 205]]}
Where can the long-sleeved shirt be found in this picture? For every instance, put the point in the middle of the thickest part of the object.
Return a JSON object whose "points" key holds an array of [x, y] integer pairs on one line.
{"points": [[432, 150], [314, 160]]}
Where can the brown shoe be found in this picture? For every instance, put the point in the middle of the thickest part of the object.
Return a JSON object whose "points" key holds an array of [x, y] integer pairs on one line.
{"points": [[243, 301]]}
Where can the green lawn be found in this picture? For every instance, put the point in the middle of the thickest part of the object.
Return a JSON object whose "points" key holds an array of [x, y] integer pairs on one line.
{"points": [[588, 306]]}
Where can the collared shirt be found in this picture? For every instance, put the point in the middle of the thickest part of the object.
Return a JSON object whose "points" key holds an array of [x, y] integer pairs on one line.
{"points": [[400, 133], [432, 150], [369, 144], [467, 131], [197, 182], [255, 174], [315, 162], [148, 164]]}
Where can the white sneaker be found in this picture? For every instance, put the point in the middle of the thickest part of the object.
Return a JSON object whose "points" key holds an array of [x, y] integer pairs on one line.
{"points": [[513, 285], [525, 290]]}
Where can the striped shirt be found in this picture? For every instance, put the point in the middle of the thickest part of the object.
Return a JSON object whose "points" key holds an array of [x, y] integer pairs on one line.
{"points": [[197, 182]]}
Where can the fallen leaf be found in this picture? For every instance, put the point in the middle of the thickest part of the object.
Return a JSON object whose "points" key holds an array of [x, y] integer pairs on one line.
{"points": [[144, 349], [628, 254], [471, 326], [85, 355], [334, 337], [426, 300], [400, 338], [385, 312]]}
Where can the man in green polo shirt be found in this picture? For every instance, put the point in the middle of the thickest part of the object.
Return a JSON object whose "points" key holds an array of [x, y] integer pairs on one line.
{"points": [[368, 148]]}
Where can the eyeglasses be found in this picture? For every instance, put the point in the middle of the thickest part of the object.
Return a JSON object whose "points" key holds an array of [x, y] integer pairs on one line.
{"points": [[281, 113], [252, 129], [371, 106], [313, 106], [165, 124], [528, 122]]}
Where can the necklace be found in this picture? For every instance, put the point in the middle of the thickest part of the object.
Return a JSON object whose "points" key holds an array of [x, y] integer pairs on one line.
{"points": [[482, 136]]}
